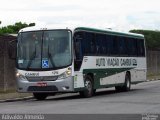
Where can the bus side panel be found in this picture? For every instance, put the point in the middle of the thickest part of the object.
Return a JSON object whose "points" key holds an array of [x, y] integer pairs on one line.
{"points": [[106, 74], [78, 80], [140, 72], [138, 75], [113, 79], [103, 74]]}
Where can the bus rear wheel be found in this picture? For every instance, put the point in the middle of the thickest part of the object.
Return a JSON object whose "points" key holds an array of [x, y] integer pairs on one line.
{"points": [[40, 96], [89, 91], [118, 88], [126, 86]]}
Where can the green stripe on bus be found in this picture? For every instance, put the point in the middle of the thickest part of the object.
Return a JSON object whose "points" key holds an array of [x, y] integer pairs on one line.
{"points": [[101, 73]]}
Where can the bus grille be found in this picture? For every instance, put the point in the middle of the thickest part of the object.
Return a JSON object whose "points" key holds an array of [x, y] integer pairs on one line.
{"points": [[44, 78], [44, 88]]}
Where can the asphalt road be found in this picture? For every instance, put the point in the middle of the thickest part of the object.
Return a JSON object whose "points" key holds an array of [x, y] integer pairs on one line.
{"points": [[143, 98]]}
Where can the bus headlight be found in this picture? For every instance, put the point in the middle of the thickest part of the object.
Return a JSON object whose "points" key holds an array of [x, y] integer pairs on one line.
{"points": [[20, 76], [66, 74]]}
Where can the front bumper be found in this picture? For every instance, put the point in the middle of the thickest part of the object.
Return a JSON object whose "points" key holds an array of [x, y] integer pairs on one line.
{"points": [[62, 85]]}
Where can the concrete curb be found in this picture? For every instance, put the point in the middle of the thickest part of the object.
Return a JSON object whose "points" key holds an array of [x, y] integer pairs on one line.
{"points": [[152, 80], [17, 99]]}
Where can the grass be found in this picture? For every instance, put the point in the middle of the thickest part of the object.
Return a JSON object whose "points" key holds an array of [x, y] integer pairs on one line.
{"points": [[12, 94], [152, 76], [2, 91]]}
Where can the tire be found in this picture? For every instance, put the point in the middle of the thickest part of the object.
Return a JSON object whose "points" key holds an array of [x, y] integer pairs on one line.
{"points": [[94, 92], [40, 96], [88, 92], [127, 84], [119, 88]]}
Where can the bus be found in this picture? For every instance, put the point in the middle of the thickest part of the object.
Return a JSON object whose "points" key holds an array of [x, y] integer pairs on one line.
{"points": [[81, 59]]}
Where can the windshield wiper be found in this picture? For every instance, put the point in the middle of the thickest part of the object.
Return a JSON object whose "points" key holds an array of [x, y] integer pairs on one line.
{"points": [[50, 57], [32, 58]]}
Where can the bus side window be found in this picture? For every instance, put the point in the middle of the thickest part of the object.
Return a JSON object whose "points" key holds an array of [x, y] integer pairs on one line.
{"points": [[140, 47], [132, 46], [110, 45], [100, 44], [122, 46], [89, 44], [115, 46], [104, 45], [135, 47]]}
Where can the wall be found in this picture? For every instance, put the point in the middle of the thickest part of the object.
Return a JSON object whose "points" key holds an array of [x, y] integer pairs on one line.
{"points": [[153, 62], [7, 66]]}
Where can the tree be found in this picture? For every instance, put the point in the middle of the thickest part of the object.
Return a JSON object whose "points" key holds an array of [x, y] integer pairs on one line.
{"points": [[13, 29], [32, 24], [152, 38]]}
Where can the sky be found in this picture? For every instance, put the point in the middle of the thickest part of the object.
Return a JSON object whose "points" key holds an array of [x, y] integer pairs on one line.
{"points": [[121, 15]]}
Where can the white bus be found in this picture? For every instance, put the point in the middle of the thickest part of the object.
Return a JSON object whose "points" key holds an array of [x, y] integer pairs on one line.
{"points": [[80, 60]]}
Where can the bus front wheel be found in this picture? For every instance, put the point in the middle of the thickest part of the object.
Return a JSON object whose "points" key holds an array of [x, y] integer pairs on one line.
{"points": [[40, 96], [89, 91]]}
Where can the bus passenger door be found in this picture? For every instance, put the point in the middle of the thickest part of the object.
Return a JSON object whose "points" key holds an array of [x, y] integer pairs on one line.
{"points": [[78, 53]]}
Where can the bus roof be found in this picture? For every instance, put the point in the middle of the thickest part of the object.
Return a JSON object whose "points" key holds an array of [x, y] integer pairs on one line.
{"points": [[110, 32], [37, 28], [88, 29]]}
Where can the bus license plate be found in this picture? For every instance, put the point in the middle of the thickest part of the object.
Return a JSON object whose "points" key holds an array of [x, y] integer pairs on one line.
{"points": [[41, 84]]}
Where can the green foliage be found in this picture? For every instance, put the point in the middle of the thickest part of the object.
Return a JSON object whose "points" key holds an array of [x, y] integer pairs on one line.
{"points": [[13, 29], [32, 24], [152, 38]]}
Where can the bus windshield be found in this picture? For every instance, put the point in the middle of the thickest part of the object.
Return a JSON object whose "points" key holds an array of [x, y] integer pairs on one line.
{"points": [[44, 49]]}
